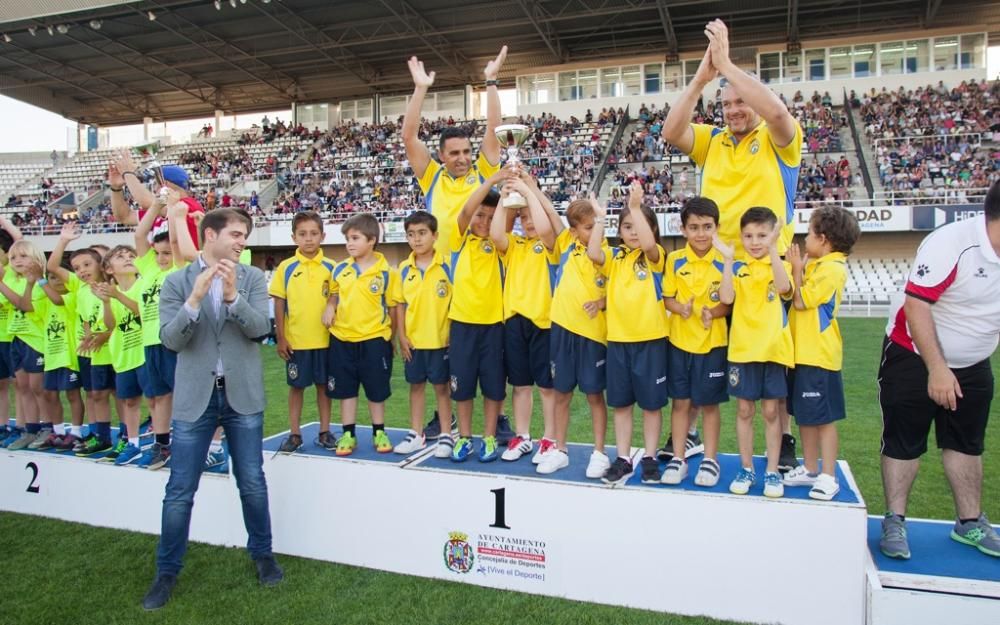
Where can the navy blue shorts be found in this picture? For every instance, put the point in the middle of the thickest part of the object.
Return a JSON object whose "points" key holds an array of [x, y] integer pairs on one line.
{"points": [[427, 365], [352, 365], [156, 376], [307, 367], [6, 362], [576, 361], [127, 385], [757, 380], [816, 395], [526, 353], [698, 377], [96, 377], [637, 374], [61, 379], [476, 355], [23, 356]]}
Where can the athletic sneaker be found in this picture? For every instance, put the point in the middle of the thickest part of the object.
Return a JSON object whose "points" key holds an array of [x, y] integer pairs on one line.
{"points": [[4, 432], [893, 542], [116, 451], [787, 460], [433, 428], [552, 462], [412, 443], [489, 449], [692, 447], [382, 443], [146, 427], [462, 449], [517, 447], [45, 440], [825, 488], [327, 441], [675, 472], [799, 476], [744, 480], [128, 455], [346, 444], [504, 432], [215, 460], [979, 534], [708, 473], [544, 447], [22, 441], [12, 436], [445, 444], [155, 456], [66, 442], [618, 472], [291, 444], [93, 444], [649, 470], [598, 465], [773, 487]]}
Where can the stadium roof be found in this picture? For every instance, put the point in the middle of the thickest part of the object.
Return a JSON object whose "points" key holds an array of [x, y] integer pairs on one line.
{"points": [[172, 59]]}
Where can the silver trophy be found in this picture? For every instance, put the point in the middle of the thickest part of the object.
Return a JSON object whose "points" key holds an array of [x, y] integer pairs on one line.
{"points": [[513, 136]]}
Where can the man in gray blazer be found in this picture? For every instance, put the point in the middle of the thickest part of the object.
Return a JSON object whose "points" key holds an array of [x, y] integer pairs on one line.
{"points": [[212, 313]]}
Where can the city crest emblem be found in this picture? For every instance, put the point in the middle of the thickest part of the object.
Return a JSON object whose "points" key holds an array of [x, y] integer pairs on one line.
{"points": [[375, 286], [458, 553], [713, 292], [442, 288], [734, 376]]}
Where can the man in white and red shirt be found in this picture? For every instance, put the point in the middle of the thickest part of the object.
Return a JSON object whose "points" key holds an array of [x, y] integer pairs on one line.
{"points": [[936, 371]]}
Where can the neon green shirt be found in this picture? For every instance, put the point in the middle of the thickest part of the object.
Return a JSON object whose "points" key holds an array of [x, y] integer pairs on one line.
{"points": [[5, 310], [127, 351], [28, 326], [90, 310], [151, 278], [60, 334]]}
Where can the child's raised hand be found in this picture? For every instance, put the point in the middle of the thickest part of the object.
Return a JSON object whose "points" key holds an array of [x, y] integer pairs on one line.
{"points": [[635, 194], [772, 239], [70, 231], [33, 272], [518, 185], [103, 291], [599, 211], [727, 251], [795, 257]]}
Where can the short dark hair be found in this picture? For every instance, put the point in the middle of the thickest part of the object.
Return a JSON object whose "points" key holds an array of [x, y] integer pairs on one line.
{"points": [[87, 251], [492, 198], [365, 223], [758, 215], [992, 203], [216, 220], [306, 216], [838, 225], [452, 132], [421, 218], [701, 207], [159, 237]]}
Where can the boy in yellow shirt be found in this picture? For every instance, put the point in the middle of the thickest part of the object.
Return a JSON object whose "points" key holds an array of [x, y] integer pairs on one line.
{"points": [[300, 287], [816, 399], [360, 313], [760, 342]]}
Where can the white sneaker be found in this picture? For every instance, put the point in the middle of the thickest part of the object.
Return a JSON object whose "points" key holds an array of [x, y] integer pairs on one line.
{"points": [[598, 465], [518, 447], [825, 488], [708, 473], [675, 472], [544, 447], [444, 446], [799, 476], [412, 443], [552, 462], [773, 487]]}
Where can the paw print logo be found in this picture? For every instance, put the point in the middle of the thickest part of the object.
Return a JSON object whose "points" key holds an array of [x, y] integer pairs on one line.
{"points": [[923, 270]]}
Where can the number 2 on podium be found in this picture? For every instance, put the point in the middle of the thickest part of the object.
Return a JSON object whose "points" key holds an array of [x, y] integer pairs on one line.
{"points": [[32, 485]]}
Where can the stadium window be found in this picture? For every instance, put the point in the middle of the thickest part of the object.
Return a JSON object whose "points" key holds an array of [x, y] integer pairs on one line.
{"points": [[525, 90], [653, 74], [673, 77], [973, 51], [917, 53], [587, 83], [567, 86], [864, 60], [791, 67], [770, 67], [632, 80], [890, 57], [840, 62], [364, 109], [611, 86], [945, 53], [690, 67], [816, 63], [392, 107], [545, 88]]}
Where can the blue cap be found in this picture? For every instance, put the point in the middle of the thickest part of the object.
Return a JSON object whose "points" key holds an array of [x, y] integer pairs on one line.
{"points": [[176, 175]]}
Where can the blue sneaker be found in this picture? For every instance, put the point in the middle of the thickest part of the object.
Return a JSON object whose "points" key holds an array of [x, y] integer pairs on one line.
{"points": [[489, 450], [216, 461], [12, 435], [462, 449], [744, 480], [128, 455], [146, 427], [4, 432]]}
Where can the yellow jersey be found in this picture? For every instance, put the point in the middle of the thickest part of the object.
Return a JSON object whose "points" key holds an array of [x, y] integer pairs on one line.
{"points": [[578, 281], [690, 278], [426, 295], [527, 289], [760, 330], [478, 275], [445, 195], [365, 299], [635, 295], [304, 285], [752, 172], [815, 330]]}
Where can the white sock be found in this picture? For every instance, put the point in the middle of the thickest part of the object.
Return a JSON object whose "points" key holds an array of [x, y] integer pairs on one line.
{"points": [[76, 430], [526, 437], [57, 429], [133, 441], [215, 447], [693, 430]]}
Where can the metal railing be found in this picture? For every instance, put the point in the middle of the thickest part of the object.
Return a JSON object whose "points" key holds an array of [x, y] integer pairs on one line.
{"points": [[935, 137]]}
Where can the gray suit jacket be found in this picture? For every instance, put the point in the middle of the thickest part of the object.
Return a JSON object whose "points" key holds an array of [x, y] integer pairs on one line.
{"points": [[199, 344]]}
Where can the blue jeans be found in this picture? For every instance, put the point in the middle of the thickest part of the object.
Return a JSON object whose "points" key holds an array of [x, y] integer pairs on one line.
{"points": [[188, 449]]}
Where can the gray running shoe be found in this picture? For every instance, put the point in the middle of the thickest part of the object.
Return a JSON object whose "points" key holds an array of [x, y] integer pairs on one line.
{"points": [[23, 442], [893, 542], [979, 534]]}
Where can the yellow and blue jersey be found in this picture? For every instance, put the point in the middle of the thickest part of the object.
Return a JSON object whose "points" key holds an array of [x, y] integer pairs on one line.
{"points": [[365, 297], [815, 331], [478, 275], [578, 281], [635, 295], [760, 331], [426, 295], [445, 195], [688, 277], [304, 285], [527, 289]]}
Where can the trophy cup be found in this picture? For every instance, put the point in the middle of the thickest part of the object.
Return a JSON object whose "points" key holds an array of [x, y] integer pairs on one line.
{"points": [[512, 136]]}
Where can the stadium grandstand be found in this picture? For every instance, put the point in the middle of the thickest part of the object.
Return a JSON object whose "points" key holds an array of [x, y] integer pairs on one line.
{"points": [[900, 117]]}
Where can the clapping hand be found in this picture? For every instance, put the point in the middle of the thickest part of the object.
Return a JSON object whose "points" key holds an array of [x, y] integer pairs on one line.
{"points": [[727, 251]]}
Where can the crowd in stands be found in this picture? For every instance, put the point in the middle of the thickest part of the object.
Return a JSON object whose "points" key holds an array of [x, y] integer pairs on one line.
{"points": [[268, 132]]}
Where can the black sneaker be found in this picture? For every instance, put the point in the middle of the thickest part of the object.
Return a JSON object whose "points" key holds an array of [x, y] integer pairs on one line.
{"points": [[787, 460], [650, 470], [619, 471], [433, 429], [327, 441], [159, 592], [504, 434], [290, 444], [692, 447]]}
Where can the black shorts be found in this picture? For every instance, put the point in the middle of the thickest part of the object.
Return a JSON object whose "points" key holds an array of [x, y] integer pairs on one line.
{"points": [[352, 365], [526, 353], [908, 411]]}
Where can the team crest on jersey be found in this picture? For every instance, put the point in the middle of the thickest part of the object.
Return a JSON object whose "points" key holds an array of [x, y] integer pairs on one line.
{"points": [[600, 280], [453, 383], [470, 179], [734, 376], [459, 555], [755, 147], [486, 247], [442, 288], [771, 291], [376, 285], [713, 291], [538, 249], [640, 269], [293, 371], [326, 289]]}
